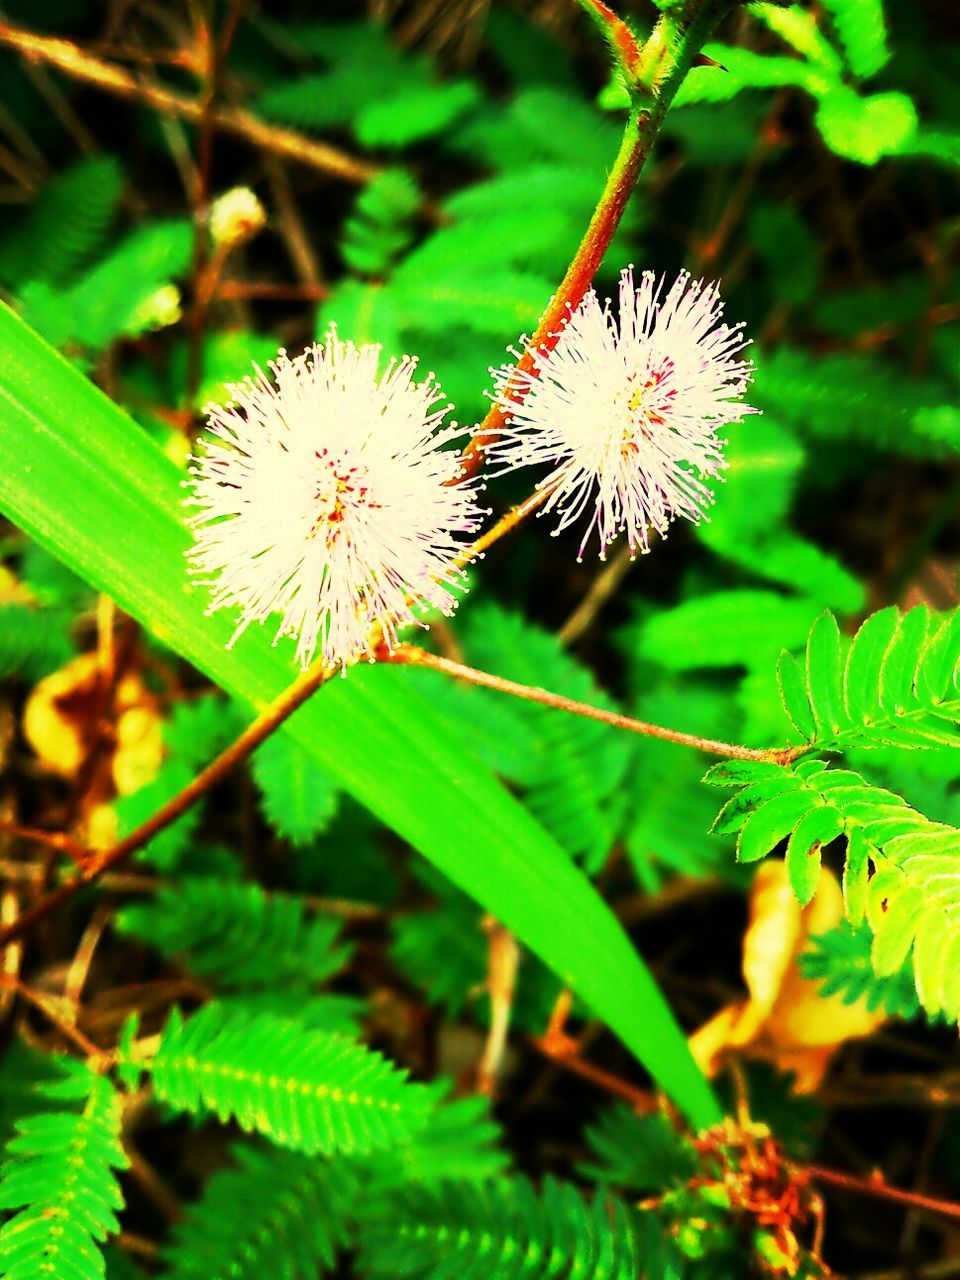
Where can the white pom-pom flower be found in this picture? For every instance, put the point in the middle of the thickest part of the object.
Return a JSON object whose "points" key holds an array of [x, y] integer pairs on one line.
{"points": [[328, 496], [626, 409]]}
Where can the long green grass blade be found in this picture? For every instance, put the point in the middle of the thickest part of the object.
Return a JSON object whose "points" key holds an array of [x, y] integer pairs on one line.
{"points": [[95, 490]]}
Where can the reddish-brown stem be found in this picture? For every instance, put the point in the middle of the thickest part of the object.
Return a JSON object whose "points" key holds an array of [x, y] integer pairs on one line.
{"points": [[565, 1052], [506, 524], [622, 40], [874, 1185], [580, 273], [55, 840], [414, 657], [246, 290], [47, 1007], [655, 72], [100, 861]]}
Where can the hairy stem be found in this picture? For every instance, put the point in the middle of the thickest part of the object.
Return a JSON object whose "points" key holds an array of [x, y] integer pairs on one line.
{"points": [[662, 65], [99, 861], [413, 657], [621, 38]]}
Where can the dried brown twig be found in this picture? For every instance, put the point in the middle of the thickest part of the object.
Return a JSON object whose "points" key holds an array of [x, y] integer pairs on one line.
{"points": [[76, 63]]}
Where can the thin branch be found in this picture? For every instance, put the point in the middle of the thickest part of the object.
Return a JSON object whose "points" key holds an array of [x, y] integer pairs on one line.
{"points": [[413, 657], [506, 524], [268, 291], [503, 961], [73, 61], [47, 1006], [565, 1052], [98, 862], [874, 1185], [599, 592], [606, 218]]}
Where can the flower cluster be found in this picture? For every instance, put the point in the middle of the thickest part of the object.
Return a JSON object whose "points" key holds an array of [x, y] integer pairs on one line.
{"points": [[332, 496]]}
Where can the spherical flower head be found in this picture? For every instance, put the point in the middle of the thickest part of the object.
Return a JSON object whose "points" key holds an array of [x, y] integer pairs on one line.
{"points": [[235, 216], [327, 496], [626, 408], [157, 311]]}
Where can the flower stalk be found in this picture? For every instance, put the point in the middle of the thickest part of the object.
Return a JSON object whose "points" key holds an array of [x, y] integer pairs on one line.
{"points": [[659, 70], [411, 656]]}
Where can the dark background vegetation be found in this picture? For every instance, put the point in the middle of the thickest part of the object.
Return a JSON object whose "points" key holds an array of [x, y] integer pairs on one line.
{"points": [[844, 495]]}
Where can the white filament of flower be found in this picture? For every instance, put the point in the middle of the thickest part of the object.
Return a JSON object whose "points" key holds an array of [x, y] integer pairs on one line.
{"points": [[626, 409], [329, 496]]}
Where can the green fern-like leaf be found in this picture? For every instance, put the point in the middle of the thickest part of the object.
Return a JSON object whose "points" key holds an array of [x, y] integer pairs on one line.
{"points": [[107, 303], [111, 300], [764, 462], [748, 70], [541, 188], [583, 762], [848, 397], [299, 799], [66, 226], [275, 1213], [23, 1070], [669, 814], [363, 311], [636, 1153], [363, 65], [898, 682], [167, 850], [379, 229], [303, 1089], [445, 952], [504, 1229], [196, 733], [414, 113], [499, 733], [839, 961], [314, 1011], [747, 526], [868, 128], [59, 1177], [114, 299], [200, 729], [515, 138], [389, 97], [800, 29], [459, 1142], [427, 299], [902, 870], [237, 935]]}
